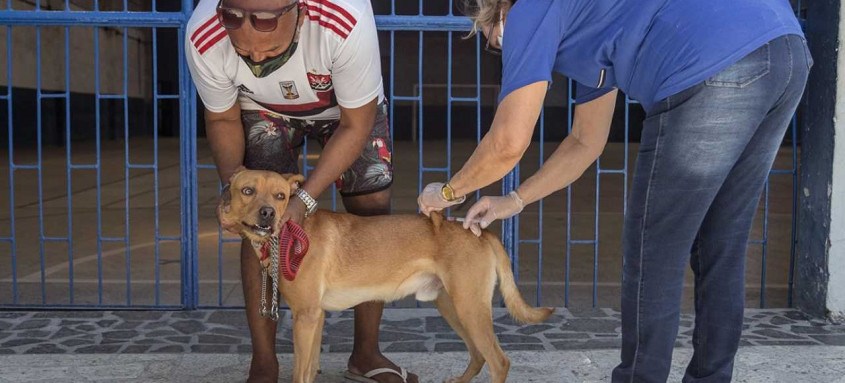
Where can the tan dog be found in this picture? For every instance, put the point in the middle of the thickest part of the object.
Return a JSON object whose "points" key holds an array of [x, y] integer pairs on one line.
{"points": [[356, 259]]}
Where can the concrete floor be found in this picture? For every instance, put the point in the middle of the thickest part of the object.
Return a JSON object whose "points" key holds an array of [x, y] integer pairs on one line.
{"points": [[155, 197], [753, 365]]}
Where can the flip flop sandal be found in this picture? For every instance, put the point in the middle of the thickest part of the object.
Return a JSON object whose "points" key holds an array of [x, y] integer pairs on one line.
{"points": [[368, 377]]}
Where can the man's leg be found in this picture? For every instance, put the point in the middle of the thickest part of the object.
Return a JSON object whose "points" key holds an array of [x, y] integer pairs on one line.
{"points": [[262, 331], [366, 355]]}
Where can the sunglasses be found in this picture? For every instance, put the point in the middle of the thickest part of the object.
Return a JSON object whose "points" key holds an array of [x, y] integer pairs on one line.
{"points": [[262, 21], [490, 37]]}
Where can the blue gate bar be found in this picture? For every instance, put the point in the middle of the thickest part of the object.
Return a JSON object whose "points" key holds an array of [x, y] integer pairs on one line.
{"points": [[68, 169], [99, 170], [38, 150], [596, 234], [448, 103], [92, 18], [421, 120], [795, 184], [568, 248], [156, 98], [11, 138], [423, 24], [127, 254], [82, 167], [45, 96], [26, 167], [764, 245], [111, 96]]}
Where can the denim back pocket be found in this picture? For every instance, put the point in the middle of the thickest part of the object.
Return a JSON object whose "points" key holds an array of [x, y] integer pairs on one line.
{"points": [[745, 71]]}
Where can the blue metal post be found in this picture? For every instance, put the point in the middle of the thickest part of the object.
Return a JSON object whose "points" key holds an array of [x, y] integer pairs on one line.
{"points": [[190, 260], [69, 168], [12, 166]]}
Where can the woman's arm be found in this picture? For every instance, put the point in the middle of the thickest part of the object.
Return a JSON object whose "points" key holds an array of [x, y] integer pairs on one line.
{"points": [[576, 153], [503, 146], [569, 161]]}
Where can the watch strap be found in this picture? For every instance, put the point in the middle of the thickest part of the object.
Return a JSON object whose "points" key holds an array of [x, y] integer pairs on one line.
{"points": [[310, 202]]}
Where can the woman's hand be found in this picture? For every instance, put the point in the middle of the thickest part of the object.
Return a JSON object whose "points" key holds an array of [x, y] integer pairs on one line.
{"points": [[432, 200], [489, 209]]}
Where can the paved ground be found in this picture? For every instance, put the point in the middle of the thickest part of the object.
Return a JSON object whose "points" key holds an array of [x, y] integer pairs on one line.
{"points": [[213, 346], [403, 330], [770, 364]]}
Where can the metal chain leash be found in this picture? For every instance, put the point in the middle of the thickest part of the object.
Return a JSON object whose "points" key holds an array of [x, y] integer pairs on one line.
{"points": [[270, 272], [274, 274]]}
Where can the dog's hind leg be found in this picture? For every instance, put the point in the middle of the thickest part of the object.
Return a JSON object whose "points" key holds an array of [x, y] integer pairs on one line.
{"points": [[306, 322], [477, 319], [472, 297], [476, 362]]}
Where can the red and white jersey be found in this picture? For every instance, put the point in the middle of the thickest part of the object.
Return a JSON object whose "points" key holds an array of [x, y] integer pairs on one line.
{"points": [[336, 63]]}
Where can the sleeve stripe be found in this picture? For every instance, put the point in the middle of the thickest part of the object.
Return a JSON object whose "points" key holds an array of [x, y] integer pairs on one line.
{"points": [[212, 41], [328, 7], [200, 42], [203, 27], [330, 16], [327, 24]]}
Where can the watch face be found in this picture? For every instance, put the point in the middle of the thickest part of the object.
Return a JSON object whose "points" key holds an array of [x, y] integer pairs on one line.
{"points": [[446, 192]]}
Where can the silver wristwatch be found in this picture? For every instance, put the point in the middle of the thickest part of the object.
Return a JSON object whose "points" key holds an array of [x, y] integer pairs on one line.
{"points": [[310, 203]]}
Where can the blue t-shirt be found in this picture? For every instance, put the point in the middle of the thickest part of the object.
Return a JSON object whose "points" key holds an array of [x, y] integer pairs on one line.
{"points": [[650, 49]]}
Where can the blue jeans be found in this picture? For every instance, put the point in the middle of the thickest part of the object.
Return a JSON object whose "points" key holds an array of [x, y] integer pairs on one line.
{"points": [[703, 160]]}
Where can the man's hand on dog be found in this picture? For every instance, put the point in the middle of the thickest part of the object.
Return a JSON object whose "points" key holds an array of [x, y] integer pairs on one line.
{"points": [[294, 212]]}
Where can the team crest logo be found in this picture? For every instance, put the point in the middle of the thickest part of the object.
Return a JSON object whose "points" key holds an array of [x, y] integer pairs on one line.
{"points": [[320, 82], [289, 90]]}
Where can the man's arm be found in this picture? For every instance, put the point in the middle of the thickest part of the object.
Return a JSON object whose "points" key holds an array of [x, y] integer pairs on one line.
{"points": [[343, 148], [226, 138]]}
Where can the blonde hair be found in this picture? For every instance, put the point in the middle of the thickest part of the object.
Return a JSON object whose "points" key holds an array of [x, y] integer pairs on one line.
{"points": [[482, 12]]}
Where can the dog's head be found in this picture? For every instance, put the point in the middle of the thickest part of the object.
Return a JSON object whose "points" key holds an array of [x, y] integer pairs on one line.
{"points": [[256, 201]]}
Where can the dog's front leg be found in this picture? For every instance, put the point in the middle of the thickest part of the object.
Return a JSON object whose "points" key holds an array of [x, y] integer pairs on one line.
{"points": [[317, 344], [307, 323]]}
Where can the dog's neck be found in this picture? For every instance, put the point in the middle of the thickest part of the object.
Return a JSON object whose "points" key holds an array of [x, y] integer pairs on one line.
{"points": [[262, 251]]}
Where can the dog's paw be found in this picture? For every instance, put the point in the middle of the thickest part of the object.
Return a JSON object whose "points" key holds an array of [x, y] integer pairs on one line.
{"points": [[456, 379]]}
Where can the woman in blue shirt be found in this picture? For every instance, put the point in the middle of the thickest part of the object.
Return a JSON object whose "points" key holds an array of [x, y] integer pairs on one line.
{"points": [[719, 81]]}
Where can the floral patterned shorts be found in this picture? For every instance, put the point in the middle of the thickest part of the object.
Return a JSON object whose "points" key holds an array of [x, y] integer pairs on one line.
{"points": [[273, 142]]}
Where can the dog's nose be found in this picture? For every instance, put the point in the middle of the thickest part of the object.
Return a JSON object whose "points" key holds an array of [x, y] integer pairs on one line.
{"points": [[267, 212]]}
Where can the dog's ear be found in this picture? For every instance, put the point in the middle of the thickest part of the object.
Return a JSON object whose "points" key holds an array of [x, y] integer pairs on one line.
{"points": [[295, 180], [236, 172], [226, 195], [224, 209]]}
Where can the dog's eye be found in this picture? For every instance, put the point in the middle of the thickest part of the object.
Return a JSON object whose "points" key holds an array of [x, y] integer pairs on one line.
{"points": [[280, 196], [248, 190]]}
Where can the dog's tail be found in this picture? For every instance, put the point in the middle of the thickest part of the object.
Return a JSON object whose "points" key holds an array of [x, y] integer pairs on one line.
{"points": [[519, 309]]}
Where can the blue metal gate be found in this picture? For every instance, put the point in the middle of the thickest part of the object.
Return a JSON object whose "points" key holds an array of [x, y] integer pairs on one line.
{"points": [[21, 249], [167, 253]]}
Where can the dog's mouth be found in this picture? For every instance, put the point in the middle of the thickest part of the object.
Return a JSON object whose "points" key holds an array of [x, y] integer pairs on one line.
{"points": [[259, 230]]}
